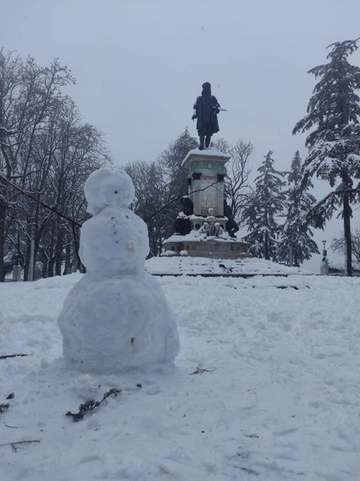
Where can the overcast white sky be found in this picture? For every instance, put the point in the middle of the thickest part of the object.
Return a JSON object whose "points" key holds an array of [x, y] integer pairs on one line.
{"points": [[139, 65]]}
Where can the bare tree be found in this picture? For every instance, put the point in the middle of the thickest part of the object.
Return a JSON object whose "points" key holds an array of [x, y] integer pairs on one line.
{"points": [[338, 244], [237, 187], [47, 151], [10, 84], [151, 194]]}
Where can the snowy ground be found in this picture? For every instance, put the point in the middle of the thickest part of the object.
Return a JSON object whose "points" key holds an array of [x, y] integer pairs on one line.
{"points": [[282, 401], [200, 265]]}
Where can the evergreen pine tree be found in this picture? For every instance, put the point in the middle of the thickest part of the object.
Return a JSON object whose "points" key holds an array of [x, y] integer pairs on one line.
{"points": [[172, 158], [156, 185], [334, 142], [296, 236], [265, 206]]}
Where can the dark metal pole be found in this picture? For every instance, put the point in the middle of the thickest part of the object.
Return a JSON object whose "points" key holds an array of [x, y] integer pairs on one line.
{"points": [[347, 235]]}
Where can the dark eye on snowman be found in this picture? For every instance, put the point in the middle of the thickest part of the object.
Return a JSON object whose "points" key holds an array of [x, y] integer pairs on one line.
{"points": [[116, 191]]}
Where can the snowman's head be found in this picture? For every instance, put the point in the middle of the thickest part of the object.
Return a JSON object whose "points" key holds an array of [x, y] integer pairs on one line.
{"points": [[115, 240], [105, 188]]}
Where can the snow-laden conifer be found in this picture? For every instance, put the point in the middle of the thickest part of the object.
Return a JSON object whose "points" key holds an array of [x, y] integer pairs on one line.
{"points": [[334, 141], [296, 236], [264, 209]]}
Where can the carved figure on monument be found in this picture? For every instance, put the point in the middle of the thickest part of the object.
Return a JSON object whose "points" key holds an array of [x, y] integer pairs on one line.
{"points": [[205, 229], [182, 225], [231, 225], [218, 230], [206, 109], [187, 205], [210, 219]]}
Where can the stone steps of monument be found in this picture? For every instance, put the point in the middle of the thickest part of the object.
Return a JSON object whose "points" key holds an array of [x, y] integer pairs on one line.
{"points": [[219, 274], [209, 267]]}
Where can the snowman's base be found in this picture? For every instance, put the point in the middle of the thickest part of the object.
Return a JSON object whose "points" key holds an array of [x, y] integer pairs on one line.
{"points": [[118, 324]]}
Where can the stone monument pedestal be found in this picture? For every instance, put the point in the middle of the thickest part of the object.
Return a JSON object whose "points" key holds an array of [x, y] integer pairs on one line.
{"points": [[213, 248], [208, 236], [206, 172]]}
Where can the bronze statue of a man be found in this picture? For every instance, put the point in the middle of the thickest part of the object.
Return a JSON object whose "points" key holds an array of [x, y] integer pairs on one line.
{"points": [[206, 109]]}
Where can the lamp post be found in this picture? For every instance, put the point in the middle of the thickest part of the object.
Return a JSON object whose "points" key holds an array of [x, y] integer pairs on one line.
{"points": [[324, 252], [324, 266]]}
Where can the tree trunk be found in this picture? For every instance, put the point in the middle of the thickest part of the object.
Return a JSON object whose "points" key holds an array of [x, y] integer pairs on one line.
{"points": [[45, 266], [59, 248], [347, 234], [266, 246], [27, 262], [3, 207], [67, 268], [51, 266], [58, 263], [51, 256], [58, 256]]}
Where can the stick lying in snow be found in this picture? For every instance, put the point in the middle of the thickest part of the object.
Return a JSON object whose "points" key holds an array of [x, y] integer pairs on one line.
{"points": [[91, 405], [4, 407], [13, 445], [13, 355], [200, 370]]}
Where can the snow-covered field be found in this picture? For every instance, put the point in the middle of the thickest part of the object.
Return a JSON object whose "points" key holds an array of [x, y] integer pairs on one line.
{"points": [[280, 400]]}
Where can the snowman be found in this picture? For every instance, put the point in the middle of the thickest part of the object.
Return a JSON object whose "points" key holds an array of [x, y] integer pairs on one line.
{"points": [[116, 318]]}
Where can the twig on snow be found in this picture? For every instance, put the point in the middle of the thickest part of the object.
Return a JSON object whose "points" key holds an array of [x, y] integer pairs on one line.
{"points": [[13, 355], [200, 370], [13, 445], [91, 405], [4, 407], [247, 470]]}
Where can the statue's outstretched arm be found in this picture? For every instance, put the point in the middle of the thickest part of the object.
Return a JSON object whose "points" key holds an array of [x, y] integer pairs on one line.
{"points": [[195, 111]]}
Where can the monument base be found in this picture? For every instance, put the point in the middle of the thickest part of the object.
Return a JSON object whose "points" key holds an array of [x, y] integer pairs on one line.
{"points": [[212, 247], [205, 227]]}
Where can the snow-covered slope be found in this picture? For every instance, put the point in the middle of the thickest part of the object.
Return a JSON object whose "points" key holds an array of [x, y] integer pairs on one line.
{"points": [[280, 400]]}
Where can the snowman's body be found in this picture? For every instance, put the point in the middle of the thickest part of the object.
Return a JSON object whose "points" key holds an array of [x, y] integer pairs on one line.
{"points": [[116, 317]]}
